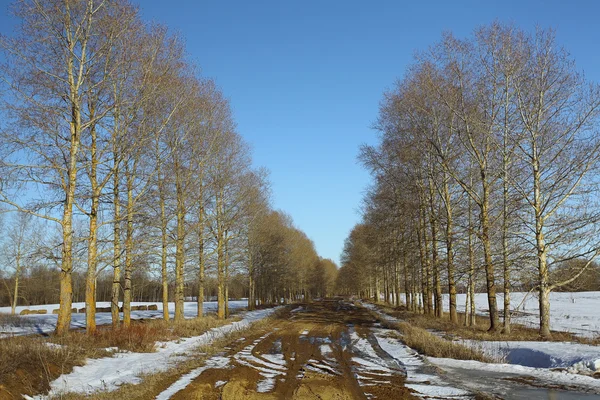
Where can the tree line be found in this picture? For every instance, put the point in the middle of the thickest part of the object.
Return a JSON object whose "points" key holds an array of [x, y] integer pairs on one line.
{"points": [[117, 157], [485, 178]]}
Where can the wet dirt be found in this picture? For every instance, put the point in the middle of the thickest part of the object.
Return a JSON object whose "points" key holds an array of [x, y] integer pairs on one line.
{"points": [[323, 350]]}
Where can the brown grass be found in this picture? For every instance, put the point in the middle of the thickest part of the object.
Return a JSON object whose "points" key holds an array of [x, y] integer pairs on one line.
{"points": [[29, 364], [432, 345], [138, 337], [141, 336], [197, 326]]}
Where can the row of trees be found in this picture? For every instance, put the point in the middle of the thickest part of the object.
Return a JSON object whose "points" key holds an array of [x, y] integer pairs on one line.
{"points": [[486, 171], [283, 262], [132, 158], [278, 255], [39, 285]]}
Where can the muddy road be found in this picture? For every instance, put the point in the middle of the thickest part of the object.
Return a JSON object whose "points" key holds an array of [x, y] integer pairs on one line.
{"points": [[324, 350]]}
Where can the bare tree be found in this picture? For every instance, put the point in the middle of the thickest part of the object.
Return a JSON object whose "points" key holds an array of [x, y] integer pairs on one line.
{"points": [[225, 182], [48, 66], [559, 114], [18, 250]]}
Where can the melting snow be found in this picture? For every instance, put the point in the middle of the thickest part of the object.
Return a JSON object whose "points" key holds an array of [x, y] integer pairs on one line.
{"points": [[266, 385], [556, 377], [575, 357], [326, 350], [424, 384], [185, 380]]}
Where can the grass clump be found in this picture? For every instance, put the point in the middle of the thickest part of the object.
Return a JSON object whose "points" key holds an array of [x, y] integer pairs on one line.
{"points": [[434, 346]]}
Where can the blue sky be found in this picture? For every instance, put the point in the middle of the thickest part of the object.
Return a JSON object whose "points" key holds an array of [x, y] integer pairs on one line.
{"points": [[305, 79]]}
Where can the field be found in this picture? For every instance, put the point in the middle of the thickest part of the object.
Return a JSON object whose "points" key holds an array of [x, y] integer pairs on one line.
{"points": [[45, 323], [570, 312]]}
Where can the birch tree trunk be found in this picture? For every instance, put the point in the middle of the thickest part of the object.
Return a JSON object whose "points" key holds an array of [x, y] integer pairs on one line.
{"points": [[450, 251], [438, 310], [116, 284], [220, 238], [127, 288], [90, 287], [471, 285], [179, 246], [17, 277], [251, 282], [544, 286], [487, 254], [201, 256], [505, 249], [63, 322]]}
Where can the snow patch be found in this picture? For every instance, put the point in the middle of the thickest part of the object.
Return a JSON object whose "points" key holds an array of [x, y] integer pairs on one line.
{"points": [[440, 392], [555, 377], [575, 357], [266, 385], [185, 380]]}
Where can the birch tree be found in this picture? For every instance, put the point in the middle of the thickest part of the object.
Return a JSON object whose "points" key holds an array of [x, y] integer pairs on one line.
{"points": [[18, 251], [559, 112], [49, 62]]}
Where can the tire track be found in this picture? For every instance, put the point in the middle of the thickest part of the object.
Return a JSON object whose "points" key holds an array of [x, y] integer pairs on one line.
{"points": [[321, 350]]}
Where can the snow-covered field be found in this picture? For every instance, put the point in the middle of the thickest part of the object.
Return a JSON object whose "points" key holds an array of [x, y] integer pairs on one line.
{"points": [[572, 312], [45, 323]]}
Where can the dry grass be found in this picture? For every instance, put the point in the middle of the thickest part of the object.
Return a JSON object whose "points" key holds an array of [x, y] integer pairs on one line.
{"points": [[29, 364], [138, 337], [7, 320], [432, 345], [141, 336], [197, 326], [480, 330]]}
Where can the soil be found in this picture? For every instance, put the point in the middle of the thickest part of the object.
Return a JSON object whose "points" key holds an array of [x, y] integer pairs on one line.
{"points": [[321, 350]]}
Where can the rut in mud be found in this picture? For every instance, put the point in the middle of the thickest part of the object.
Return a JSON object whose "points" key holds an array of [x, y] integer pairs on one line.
{"points": [[325, 350]]}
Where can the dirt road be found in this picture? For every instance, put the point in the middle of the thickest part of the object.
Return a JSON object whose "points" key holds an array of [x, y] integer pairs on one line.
{"points": [[324, 350]]}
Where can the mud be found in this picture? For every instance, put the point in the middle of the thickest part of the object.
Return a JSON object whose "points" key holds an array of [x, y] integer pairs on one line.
{"points": [[322, 350]]}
